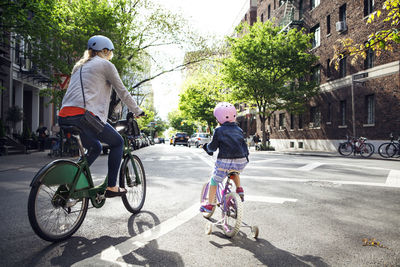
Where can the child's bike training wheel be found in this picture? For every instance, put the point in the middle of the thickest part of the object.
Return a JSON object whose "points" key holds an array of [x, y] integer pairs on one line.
{"points": [[233, 214], [208, 228], [255, 231]]}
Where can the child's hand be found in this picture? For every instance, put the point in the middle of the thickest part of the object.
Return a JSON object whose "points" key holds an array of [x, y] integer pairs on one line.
{"points": [[205, 149]]}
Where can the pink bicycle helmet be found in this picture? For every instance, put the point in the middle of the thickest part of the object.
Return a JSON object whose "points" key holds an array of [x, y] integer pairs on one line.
{"points": [[225, 112]]}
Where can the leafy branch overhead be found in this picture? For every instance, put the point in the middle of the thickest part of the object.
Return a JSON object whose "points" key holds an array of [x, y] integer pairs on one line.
{"points": [[386, 38], [270, 68]]}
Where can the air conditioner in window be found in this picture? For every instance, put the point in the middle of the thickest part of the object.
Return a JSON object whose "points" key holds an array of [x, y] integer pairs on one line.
{"points": [[311, 125], [341, 26]]}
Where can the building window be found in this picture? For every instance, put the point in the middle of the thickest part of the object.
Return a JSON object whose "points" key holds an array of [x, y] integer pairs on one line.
{"points": [[269, 11], [370, 101], [262, 17], [329, 113], [343, 67], [316, 39], [301, 9], [300, 121], [328, 24], [281, 121], [368, 7], [342, 13], [328, 68], [315, 117], [316, 75], [274, 4], [291, 121], [274, 121], [343, 112], [314, 3], [370, 58]]}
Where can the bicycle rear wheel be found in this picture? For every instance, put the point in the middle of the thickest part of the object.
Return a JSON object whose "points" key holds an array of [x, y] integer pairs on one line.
{"points": [[367, 150], [233, 214], [383, 150], [134, 183], [345, 149], [52, 216]]}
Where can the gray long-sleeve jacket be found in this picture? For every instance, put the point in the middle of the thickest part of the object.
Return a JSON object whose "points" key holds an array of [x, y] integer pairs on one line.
{"points": [[98, 75]]}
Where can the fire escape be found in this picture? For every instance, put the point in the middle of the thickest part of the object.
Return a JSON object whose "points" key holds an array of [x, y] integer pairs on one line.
{"points": [[288, 15]]}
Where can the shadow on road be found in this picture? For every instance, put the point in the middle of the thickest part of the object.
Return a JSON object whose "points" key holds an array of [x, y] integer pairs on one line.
{"points": [[77, 249], [268, 254]]}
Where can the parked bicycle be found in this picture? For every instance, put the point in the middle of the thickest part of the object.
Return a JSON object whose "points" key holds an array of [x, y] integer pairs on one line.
{"points": [[60, 191], [356, 145], [390, 149], [231, 207]]}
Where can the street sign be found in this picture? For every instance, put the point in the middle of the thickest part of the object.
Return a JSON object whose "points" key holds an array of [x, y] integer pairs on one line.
{"points": [[360, 76]]}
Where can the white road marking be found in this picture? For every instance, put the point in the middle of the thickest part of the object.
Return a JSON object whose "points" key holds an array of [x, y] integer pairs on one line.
{"points": [[113, 253], [393, 179], [279, 200], [310, 166], [262, 161], [203, 158], [301, 180]]}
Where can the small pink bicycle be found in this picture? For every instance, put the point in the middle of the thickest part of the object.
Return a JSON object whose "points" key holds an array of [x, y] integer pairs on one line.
{"points": [[231, 209]]}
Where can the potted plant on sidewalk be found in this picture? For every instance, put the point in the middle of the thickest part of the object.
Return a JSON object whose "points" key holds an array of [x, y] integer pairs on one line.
{"points": [[14, 115]]}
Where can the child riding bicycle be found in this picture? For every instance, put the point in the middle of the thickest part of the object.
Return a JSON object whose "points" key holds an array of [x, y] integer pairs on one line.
{"points": [[233, 152]]}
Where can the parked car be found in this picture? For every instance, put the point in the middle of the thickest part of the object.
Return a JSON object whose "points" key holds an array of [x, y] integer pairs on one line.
{"points": [[181, 139], [199, 139]]}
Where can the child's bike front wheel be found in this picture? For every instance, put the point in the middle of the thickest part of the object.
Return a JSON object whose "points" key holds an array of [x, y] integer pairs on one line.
{"points": [[233, 209], [133, 179]]}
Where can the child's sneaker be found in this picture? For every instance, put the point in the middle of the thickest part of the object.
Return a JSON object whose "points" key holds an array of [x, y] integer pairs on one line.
{"points": [[207, 208], [240, 191]]}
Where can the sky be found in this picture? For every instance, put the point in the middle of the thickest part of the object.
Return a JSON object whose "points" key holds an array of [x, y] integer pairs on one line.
{"points": [[217, 17]]}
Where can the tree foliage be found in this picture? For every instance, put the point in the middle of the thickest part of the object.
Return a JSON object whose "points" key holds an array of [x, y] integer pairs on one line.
{"points": [[201, 92], [180, 123], [380, 41], [269, 68]]}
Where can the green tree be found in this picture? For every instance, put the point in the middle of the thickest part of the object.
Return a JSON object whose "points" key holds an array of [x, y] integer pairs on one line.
{"points": [[267, 67], [200, 94], [179, 122], [382, 40]]}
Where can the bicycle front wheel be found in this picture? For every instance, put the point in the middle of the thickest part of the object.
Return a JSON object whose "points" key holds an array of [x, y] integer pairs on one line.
{"points": [[233, 209], [392, 150], [367, 150], [52, 216], [133, 179], [345, 149]]}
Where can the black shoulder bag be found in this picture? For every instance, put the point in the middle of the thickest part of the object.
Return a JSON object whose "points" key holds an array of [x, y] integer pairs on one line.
{"points": [[90, 121]]}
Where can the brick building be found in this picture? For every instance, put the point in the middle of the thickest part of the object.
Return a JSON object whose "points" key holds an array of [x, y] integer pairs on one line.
{"points": [[375, 81]]}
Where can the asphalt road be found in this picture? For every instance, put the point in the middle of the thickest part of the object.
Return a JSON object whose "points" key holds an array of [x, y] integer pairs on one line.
{"points": [[311, 211]]}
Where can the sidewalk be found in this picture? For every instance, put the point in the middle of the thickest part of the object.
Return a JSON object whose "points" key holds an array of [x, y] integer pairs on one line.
{"points": [[320, 154], [34, 159]]}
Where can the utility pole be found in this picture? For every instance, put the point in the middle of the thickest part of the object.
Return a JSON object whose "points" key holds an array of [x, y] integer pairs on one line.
{"points": [[354, 80]]}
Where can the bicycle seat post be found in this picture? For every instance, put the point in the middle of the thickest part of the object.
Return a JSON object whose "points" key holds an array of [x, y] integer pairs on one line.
{"points": [[78, 139]]}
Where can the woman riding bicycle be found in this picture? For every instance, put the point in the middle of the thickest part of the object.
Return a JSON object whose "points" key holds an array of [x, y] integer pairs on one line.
{"points": [[98, 74], [233, 152]]}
